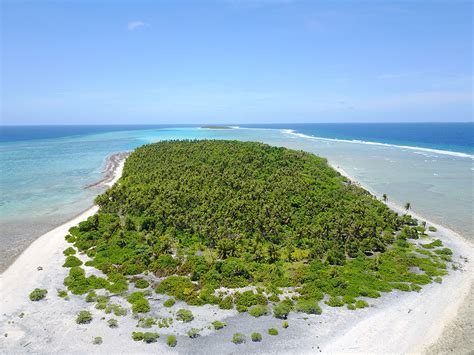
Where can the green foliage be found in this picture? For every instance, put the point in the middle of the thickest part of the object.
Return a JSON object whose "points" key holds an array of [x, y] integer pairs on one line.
{"points": [[433, 244], [146, 322], [210, 214], [84, 317], [272, 331], [282, 309], [169, 302], [238, 338], [69, 251], [72, 261], [38, 294], [218, 325], [62, 293], [97, 340], [141, 283], [256, 337], [150, 337], [432, 229], [193, 333], [137, 336], [91, 297], [184, 315], [171, 341], [285, 325], [361, 304], [116, 309], [113, 323], [308, 306], [258, 311]]}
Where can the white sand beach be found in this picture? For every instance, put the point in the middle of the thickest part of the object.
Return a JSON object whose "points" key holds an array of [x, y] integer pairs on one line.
{"points": [[397, 322]]}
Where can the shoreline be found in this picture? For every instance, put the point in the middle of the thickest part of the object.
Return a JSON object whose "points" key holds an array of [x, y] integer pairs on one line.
{"points": [[434, 309]]}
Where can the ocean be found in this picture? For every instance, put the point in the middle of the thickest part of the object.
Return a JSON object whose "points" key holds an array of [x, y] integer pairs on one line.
{"points": [[44, 169]]}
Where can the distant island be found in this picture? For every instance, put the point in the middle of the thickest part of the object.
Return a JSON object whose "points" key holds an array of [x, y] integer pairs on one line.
{"points": [[216, 127], [239, 226]]}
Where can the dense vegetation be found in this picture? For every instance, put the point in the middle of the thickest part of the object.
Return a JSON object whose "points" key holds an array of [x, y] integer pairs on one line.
{"points": [[199, 215]]}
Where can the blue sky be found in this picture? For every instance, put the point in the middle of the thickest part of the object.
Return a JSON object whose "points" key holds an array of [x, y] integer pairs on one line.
{"points": [[236, 61]]}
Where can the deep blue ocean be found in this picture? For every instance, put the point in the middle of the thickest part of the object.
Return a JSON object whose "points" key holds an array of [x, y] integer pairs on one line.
{"points": [[456, 137], [44, 169]]}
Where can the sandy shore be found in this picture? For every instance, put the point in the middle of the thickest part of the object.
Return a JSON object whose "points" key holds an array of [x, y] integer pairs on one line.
{"points": [[397, 322]]}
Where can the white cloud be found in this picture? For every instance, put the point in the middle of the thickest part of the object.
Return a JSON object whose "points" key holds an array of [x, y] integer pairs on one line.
{"points": [[133, 25]]}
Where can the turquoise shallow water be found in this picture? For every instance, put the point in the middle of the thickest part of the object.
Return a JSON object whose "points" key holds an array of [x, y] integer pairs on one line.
{"points": [[42, 180]]}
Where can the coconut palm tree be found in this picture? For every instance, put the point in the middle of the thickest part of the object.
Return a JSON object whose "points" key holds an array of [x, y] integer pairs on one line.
{"points": [[384, 197], [407, 206]]}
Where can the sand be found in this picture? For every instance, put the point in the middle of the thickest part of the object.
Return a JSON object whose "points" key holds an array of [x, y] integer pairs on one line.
{"points": [[397, 322]]}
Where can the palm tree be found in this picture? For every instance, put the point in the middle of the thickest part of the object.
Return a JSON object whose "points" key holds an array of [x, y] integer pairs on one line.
{"points": [[407, 206], [384, 197]]}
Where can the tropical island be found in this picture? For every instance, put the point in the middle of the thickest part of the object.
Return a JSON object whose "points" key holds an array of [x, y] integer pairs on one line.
{"points": [[242, 227]]}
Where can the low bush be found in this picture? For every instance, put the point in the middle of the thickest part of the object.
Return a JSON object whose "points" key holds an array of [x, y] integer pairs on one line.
{"points": [[91, 297], [218, 324], [226, 303], [285, 325], [116, 309], [146, 322], [432, 229], [69, 251], [38, 294], [171, 341], [193, 333], [258, 311], [169, 302], [97, 340], [141, 306], [361, 304], [436, 243], [238, 338], [141, 283], [438, 280], [72, 261], [184, 315], [308, 306], [149, 337], [274, 298], [113, 323], [272, 331], [84, 317], [62, 293], [256, 337], [281, 310], [335, 302], [137, 336], [102, 302]]}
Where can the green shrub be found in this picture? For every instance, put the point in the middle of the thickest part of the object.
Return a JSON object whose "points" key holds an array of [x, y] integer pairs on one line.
{"points": [[432, 229], [218, 324], [72, 261], [258, 311], [171, 341], [102, 302], [361, 304], [335, 302], [137, 336], [179, 287], [193, 333], [238, 338], [38, 294], [184, 315], [62, 293], [285, 325], [274, 298], [308, 306], [70, 238], [401, 286], [169, 302], [436, 243], [135, 296], [84, 317], [272, 331], [97, 340], [141, 283], [113, 323], [69, 251], [149, 337], [91, 297], [241, 308], [116, 309], [146, 322], [256, 337], [281, 310], [438, 279], [415, 287], [226, 303], [351, 306], [141, 306]]}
